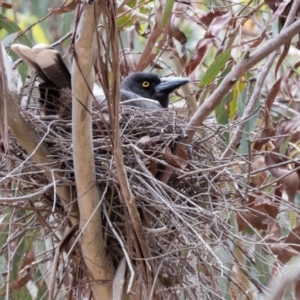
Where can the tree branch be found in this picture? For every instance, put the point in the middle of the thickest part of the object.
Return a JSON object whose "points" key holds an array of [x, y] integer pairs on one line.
{"points": [[92, 243], [224, 88]]}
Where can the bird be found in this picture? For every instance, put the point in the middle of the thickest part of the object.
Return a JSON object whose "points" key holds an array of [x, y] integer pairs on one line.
{"points": [[140, 89]]}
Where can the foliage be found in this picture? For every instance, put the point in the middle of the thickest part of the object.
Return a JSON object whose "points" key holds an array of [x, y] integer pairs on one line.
{"points": [[225, 223]]}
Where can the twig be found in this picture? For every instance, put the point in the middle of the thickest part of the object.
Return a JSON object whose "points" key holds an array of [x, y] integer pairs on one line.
{"points": [[132, 273], [32, 196], [212, 169]]}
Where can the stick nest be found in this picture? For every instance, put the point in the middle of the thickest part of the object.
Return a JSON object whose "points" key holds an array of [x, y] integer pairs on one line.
{"points": [[186, 224]]}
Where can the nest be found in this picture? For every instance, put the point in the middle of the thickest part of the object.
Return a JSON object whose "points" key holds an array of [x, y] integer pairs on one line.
{"points": [[185, 225]]}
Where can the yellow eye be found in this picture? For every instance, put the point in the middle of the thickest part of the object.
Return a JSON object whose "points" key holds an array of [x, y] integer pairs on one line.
{"points": [[146, 84]]}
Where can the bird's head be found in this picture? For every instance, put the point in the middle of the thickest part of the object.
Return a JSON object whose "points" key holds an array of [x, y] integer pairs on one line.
{"points": [[151, 86]]}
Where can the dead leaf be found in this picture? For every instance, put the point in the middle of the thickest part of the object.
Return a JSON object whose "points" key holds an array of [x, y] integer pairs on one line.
{"points": [[290, 185], [263, 137], [291, 180], [65, 8], [28, 259], [270, 100], [289, 128], [176, 33], [180, 160], [198, 55], [207, 19], [294, 69], [5, 5], [259, 40], [293, 241], [273, 232], [282, 56], [258, 163], [278, 9], [259, 212], [156, 65], [153, 167], [297, 289], [279, 249], [217, 24], [272, 4]]}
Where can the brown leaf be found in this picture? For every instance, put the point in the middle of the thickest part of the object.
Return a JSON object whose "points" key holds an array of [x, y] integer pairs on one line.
{"points": [[290, 181], [153, 167], [28, 259], [168, 156], [293, 241], [289, 128], [258, 213], [22, 281], [259, 40], [217, 24], [272, 4], [258, 163], [263, 137], [65, 8], [278, 9], [208, 18], [293, 70], [270, 100], [297, 289], [294, 238], [5, 5], [273, 232], [280, 249], [282, 56], [180, 160], [198, 55], [156, 65], [176, 33], [290, 185], [181, 157], [272, 159]]}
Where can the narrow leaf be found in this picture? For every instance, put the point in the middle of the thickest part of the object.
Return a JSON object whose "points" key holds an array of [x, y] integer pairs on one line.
{"points": [[167, 12], [214, 69], [12, 27]]}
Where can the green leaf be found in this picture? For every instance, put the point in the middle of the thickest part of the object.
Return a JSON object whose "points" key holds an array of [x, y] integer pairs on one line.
{"points": [[222, 110], [67, 21], [12, 27], [22, 68], [10, 39], [214, 69], [285, 144], [167, 12], [226, 260], [19, 253], [236, 92], [263, 262], [252, 120]]}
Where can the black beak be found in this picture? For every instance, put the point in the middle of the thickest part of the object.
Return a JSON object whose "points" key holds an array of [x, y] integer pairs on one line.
{"points": [[169, 84]]}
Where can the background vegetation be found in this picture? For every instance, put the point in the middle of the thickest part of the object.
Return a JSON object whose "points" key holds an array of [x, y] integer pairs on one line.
{"points": [[221, 166]]}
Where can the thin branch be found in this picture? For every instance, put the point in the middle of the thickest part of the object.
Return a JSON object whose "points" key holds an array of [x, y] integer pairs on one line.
{"points": [[224, 88]]}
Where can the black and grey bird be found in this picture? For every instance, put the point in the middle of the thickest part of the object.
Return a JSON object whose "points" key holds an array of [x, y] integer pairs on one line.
{"points": [[55, 77]]}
